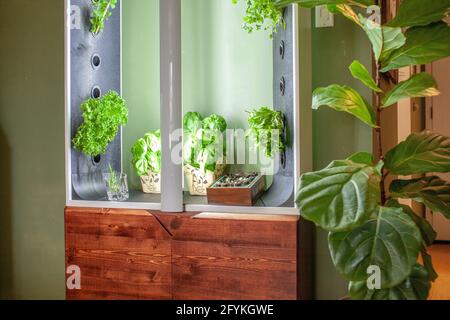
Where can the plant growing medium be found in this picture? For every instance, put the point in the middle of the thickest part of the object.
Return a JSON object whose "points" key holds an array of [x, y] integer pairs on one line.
{"points": [[147, 154], [102, 119], [368, 225], [263, 123], [101, 11], [204, 145]]}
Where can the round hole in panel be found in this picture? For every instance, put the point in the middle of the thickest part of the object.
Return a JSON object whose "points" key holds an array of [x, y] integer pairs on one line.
{"points": [[96, 160], [96, 61], [282, 86], [96, 92], [282, 47]]}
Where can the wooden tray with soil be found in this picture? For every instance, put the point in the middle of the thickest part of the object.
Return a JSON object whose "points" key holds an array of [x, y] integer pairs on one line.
{"points": [[238, 189]]}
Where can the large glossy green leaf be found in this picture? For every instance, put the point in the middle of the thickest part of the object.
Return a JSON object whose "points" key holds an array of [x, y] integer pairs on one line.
{"points": [[426, 229], [431, 191], [362, 158], [420, 13], [423, 45], [360, 72], [340, 197], [393, 38], [375, 35], [346, 99], [384, 39], [416, 287], [390, 241], [418, 86], [421, 153]]}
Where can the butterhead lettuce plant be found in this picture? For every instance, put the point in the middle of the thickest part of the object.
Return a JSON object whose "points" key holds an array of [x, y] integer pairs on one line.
{"points": [[369, 228]]}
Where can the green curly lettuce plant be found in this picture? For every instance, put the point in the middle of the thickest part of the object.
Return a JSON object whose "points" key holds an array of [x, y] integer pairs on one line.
{"points": [[102, 119], [147, 154], [368, 226], [101, 11]]}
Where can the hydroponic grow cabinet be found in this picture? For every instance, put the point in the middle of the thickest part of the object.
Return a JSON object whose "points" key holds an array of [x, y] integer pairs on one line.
{"points": [[200, 60]]}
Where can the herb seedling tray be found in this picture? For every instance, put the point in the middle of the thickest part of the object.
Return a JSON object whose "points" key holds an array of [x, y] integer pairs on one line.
{"points": [[244, 195]]}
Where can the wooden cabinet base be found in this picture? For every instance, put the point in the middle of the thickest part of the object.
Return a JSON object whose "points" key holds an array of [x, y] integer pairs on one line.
{"points": [[136, 254]]}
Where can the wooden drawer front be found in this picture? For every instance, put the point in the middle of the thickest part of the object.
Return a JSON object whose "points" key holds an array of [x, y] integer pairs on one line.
{"points": [[121, 254], [208, 270], [234, 258]]}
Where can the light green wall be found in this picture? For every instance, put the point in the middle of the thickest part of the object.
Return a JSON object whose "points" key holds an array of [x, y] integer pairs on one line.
{"points": [[336, 135], [225, 70], [140, 74], [32, 149]]}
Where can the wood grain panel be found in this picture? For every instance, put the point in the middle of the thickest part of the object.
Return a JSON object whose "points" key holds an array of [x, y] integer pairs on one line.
{"points": [[208, 270], [135, 254], [226, 256], [122, 254], [260, 230]]}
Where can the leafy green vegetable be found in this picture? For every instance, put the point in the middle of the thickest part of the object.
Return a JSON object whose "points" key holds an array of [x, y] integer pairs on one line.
{"points": [[102, 120], [147, 154], [100, 13], [268, 14], [263, 123], [203, 140], [215, 122], [192, 122], [257, 14], [418, 86]]}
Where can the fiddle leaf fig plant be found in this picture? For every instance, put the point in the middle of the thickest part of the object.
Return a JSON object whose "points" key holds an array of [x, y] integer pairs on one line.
{"points": [[101, 11], [369, 228]]}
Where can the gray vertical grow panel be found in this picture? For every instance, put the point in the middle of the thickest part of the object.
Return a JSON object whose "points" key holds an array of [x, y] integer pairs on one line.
{"points": [[95, 69], [281, 193]]}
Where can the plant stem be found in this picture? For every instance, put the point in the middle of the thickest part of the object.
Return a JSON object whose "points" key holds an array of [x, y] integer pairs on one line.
{"points": [[103, 16], [378, 109]]}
